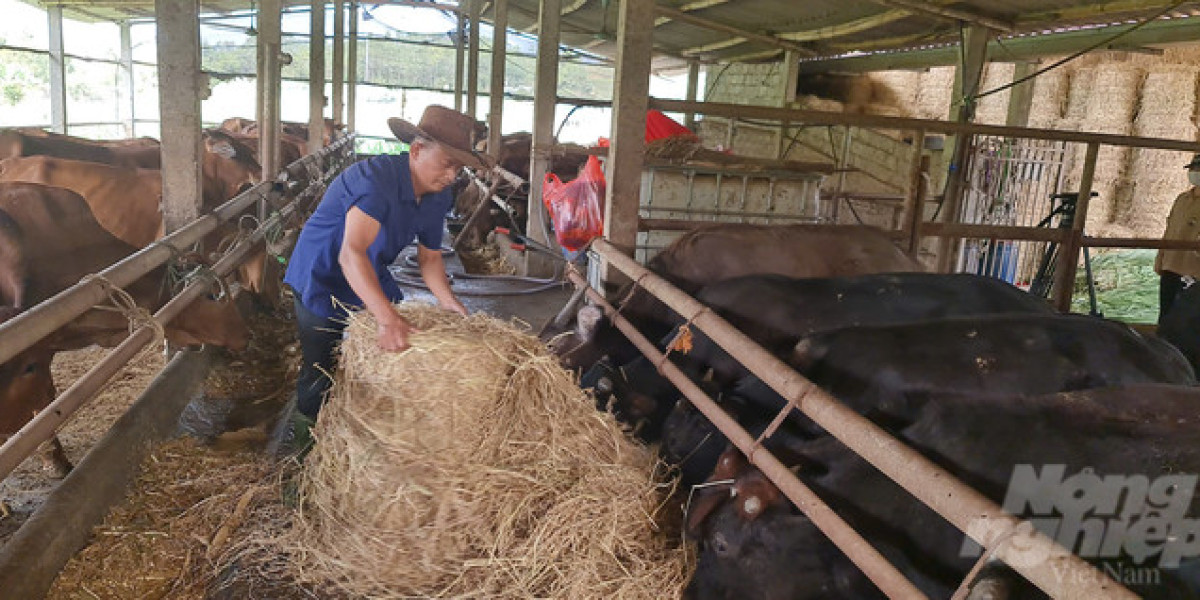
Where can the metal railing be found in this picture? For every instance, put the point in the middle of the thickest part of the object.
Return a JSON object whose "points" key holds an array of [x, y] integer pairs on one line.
{"points": [[301, 180]]}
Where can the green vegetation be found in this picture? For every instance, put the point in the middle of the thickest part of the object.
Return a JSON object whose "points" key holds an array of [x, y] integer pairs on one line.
{"points": [[1126, 286], [364, 145]]}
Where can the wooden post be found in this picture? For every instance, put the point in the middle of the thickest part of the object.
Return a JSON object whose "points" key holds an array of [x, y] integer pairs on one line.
{"points": [[496, 95], [473, 6], [693, 82], [316, 78], [1020, 100], [58, 70], [791, 62], [459, 53], [1068, 250], [545, 100], [339, 60], [914, 196], [179, 93], [631, 92], [352, 69], [269, 48], [127, 97], [967, 78]]}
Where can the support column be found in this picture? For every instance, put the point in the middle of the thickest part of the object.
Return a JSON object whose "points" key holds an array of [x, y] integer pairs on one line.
{"points": [[693, 82], [58, 70], [631, 93], [967, 79], [269, 49], [179, 93], [545, 99], [1020, 99], [316, 77], [352, 72], [339, 59], [473, 59], [787, 95], [496, 95], [127, 100], [459, 54]]}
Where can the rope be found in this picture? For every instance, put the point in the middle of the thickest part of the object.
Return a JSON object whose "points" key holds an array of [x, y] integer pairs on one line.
{"points": [[123, 303], [773, 427]]}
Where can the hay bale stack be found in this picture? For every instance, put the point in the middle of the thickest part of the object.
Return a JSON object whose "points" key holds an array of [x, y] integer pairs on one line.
{"points": [[1168, 103], [933, 98], [905, 86], [472, 466], [1049, 99], [993, 109]]}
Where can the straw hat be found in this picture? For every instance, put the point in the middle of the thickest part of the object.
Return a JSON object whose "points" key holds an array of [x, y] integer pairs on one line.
{"points": [[454, 131]]}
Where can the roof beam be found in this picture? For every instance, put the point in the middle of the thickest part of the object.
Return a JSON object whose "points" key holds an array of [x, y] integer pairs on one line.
{"points": [[770, 40], [1162, 31], [721, 45], [689, 7], [847, 28], [947, 13]]}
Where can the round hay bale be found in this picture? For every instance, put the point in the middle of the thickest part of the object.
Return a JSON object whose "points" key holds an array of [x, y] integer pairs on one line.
{"points": [[473, 466]]}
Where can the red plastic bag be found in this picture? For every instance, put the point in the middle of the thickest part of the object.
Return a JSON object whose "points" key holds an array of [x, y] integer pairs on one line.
{"points": [[576, 208]]}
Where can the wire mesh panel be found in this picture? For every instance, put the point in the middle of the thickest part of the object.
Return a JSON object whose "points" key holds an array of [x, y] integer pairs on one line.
{"points": [[1009, 183]]}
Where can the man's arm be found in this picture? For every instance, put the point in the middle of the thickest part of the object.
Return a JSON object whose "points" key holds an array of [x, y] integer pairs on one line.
{"points": [[361, 229], [433, 271]]}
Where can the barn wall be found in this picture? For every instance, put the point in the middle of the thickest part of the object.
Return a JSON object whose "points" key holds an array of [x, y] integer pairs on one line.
{"points": [[1109, 92]]}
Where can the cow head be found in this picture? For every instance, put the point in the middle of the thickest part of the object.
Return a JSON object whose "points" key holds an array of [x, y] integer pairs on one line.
{"points": [[25, 383], [229, 167]]}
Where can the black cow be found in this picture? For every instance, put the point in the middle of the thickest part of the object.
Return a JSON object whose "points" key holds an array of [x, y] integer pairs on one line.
{"points": [[1057, 458], [885, 372]]}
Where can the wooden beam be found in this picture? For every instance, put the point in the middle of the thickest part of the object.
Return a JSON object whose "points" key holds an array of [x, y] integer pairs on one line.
{"points": [[545, 100], [817, 117], [721, 45], [682, 17], [693, 83], [179, 93], [269, 48], [496, 95], [631, 92], [847, 28], [339, 60], [460, 43], [1020, 99], [1068, 251], [128, 104], [473, 7], [316, 77], [58, 70], [352, 68], [1031, 47], [949, 13]]}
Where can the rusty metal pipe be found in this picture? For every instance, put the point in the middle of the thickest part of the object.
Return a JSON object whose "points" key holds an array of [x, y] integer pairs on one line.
{"points": [[959, 504], [872, 563]]}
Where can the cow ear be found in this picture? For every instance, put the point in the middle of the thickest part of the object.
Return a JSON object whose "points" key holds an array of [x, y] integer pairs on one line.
{"points": [[703, 503], [223, 149]]}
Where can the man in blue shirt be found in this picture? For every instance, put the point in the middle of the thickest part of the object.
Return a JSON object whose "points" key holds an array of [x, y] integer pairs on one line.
{"points": [[369, 214]]}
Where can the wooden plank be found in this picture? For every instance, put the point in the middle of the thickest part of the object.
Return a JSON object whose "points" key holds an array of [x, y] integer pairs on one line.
{"points": [[914, 196], [993, 232], [58, 70], [1020, 100], [269, 47], [496, 95], [631, 91], [179, 93], [545, 96], [316, 77], [1068, 252], [693, 82]]}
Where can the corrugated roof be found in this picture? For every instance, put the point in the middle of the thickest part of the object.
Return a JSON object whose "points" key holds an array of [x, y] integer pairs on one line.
{"points": [[820, 30]]}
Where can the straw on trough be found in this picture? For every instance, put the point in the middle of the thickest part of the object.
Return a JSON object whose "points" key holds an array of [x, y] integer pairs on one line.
{"points": [[473, 466]]}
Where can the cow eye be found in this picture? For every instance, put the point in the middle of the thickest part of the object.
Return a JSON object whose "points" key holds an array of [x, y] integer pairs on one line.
{"points": [[30, 369]]}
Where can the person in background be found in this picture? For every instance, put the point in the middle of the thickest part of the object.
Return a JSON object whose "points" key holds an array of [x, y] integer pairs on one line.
{"points": [[1178, 269], [368, 215]]}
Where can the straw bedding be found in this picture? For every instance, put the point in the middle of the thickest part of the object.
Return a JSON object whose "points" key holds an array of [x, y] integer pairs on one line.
{"points": [[472, 466]]}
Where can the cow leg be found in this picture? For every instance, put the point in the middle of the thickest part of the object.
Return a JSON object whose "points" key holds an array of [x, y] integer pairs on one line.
{"points": [[55, 457]]}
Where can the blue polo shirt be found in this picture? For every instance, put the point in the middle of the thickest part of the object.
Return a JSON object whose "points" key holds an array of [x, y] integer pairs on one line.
{"points": [[382, 188]]}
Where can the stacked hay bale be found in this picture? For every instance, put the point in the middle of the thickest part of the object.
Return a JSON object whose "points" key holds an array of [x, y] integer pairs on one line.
{"points": [[1049, 99], [993, 108], [1165, 113], [472, 466], [933, 99]]}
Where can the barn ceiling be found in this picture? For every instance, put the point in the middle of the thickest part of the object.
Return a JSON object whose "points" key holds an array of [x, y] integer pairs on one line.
{"points": [[845, 35]]}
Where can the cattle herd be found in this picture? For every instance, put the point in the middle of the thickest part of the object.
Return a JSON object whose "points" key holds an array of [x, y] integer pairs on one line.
{"points": [[984, 379], [70, 207]]}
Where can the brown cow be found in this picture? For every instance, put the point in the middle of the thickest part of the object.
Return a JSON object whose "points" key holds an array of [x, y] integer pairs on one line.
{"points": [[139, 153], [48, 241], [127, 202]]}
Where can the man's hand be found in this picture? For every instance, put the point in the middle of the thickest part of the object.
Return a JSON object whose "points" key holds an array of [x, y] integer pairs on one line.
{"points": [[455, 306], [392, 334]]}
